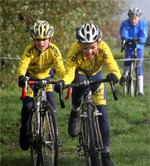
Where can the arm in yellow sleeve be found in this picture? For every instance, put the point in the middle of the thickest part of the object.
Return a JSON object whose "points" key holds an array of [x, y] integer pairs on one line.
{"points": [[111, 63], [24, 63]]}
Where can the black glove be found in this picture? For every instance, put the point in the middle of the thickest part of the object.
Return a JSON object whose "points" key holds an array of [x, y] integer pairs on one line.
{"points": [[21, 81], [112, 77], [135, 41], [58, 85]]}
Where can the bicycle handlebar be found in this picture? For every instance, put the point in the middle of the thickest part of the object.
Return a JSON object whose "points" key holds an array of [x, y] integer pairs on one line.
{"points": [[87, 83], [130, 42], [42, 83]]}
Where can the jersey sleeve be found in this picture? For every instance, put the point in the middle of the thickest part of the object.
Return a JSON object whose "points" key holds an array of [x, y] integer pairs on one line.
{"points": [[143, 32], [124, 30], [70, 66], [58, 62], [24, 62], [110, 62]]}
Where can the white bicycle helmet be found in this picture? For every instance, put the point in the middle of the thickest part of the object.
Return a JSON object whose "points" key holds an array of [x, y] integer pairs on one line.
{"points": [[88, 33], [41, 30], [134, 12]]}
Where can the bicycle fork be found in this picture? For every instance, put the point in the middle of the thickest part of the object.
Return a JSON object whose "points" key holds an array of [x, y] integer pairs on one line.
{"points": [[81, 142]]}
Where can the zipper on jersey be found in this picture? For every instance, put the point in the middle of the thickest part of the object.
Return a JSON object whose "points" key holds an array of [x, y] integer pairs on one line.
{"points": [[41, 57]]}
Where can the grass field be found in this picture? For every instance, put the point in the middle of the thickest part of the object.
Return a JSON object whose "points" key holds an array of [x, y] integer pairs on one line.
{"points": [[129, 119]]}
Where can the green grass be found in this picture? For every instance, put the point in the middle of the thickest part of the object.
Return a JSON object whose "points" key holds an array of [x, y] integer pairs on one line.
{"points": [[129, 119], [129, 130]]}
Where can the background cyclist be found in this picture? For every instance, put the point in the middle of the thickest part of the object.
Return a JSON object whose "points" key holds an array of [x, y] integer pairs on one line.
{"points": [[36, 62], [131, 28], [85, 61]]}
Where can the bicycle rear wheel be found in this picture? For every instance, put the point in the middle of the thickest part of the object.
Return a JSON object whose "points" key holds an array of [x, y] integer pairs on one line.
{"points": [[49, 146]]}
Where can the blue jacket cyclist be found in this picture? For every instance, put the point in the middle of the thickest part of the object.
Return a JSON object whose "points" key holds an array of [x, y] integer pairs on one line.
{"points": [[131, 28]]}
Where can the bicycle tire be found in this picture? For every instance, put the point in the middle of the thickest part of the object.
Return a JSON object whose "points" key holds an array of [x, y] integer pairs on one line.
{"points": [[91, 138], [126, 87], [132, 79], [98, 141], [136, 79], [49, 146], [84, 133]]}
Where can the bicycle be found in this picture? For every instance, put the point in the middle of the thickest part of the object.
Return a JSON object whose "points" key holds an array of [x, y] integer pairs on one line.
{"points": [[42, 126], [90, 142], [131, 83]]}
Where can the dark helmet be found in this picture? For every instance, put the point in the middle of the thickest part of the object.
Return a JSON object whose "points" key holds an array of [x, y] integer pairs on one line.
{"points": [[88, 33], [134, 12]]}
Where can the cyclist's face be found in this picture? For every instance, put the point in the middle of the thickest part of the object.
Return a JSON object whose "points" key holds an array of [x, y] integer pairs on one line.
{"points": [[89, 49], [134, 20], [42, 44]]}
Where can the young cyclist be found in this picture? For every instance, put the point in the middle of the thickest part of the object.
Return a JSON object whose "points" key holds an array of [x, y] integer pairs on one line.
{"points": [[85, 60], [134, 27], [36, 62]]}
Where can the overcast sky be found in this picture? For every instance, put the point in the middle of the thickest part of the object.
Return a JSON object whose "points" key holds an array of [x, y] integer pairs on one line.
{"points": [[144, 5]]}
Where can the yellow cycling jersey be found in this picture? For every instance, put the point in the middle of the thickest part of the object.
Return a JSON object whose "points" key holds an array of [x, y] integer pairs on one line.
{"points": [[89, 67], [38, 64]]}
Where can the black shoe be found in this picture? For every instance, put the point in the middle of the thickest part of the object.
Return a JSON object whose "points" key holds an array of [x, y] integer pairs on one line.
{"points": [[123, 81], [60, 144], [107, 160], [73, 127], [23, 140]]}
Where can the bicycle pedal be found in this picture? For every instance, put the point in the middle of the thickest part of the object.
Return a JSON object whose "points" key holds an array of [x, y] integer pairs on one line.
{"points": [[80, 154], [79, 151]]}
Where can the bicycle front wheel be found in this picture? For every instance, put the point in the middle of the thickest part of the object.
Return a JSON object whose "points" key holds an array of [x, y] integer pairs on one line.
{"points": [[98, 140], [34, 140], [132, 79], [136, 79], [91, 138], [49, 146]]}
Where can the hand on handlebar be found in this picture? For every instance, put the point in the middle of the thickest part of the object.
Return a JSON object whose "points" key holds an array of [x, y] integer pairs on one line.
{"points": [[21, 81], [59, 84], [135, 41], [112, 77]]}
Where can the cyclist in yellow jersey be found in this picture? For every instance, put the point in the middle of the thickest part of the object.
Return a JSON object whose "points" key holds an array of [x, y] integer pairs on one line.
{"points": [[36, 62], [85, 60]]}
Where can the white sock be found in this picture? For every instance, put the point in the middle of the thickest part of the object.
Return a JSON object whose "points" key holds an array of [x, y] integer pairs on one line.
{"points": [[140, 82]]}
